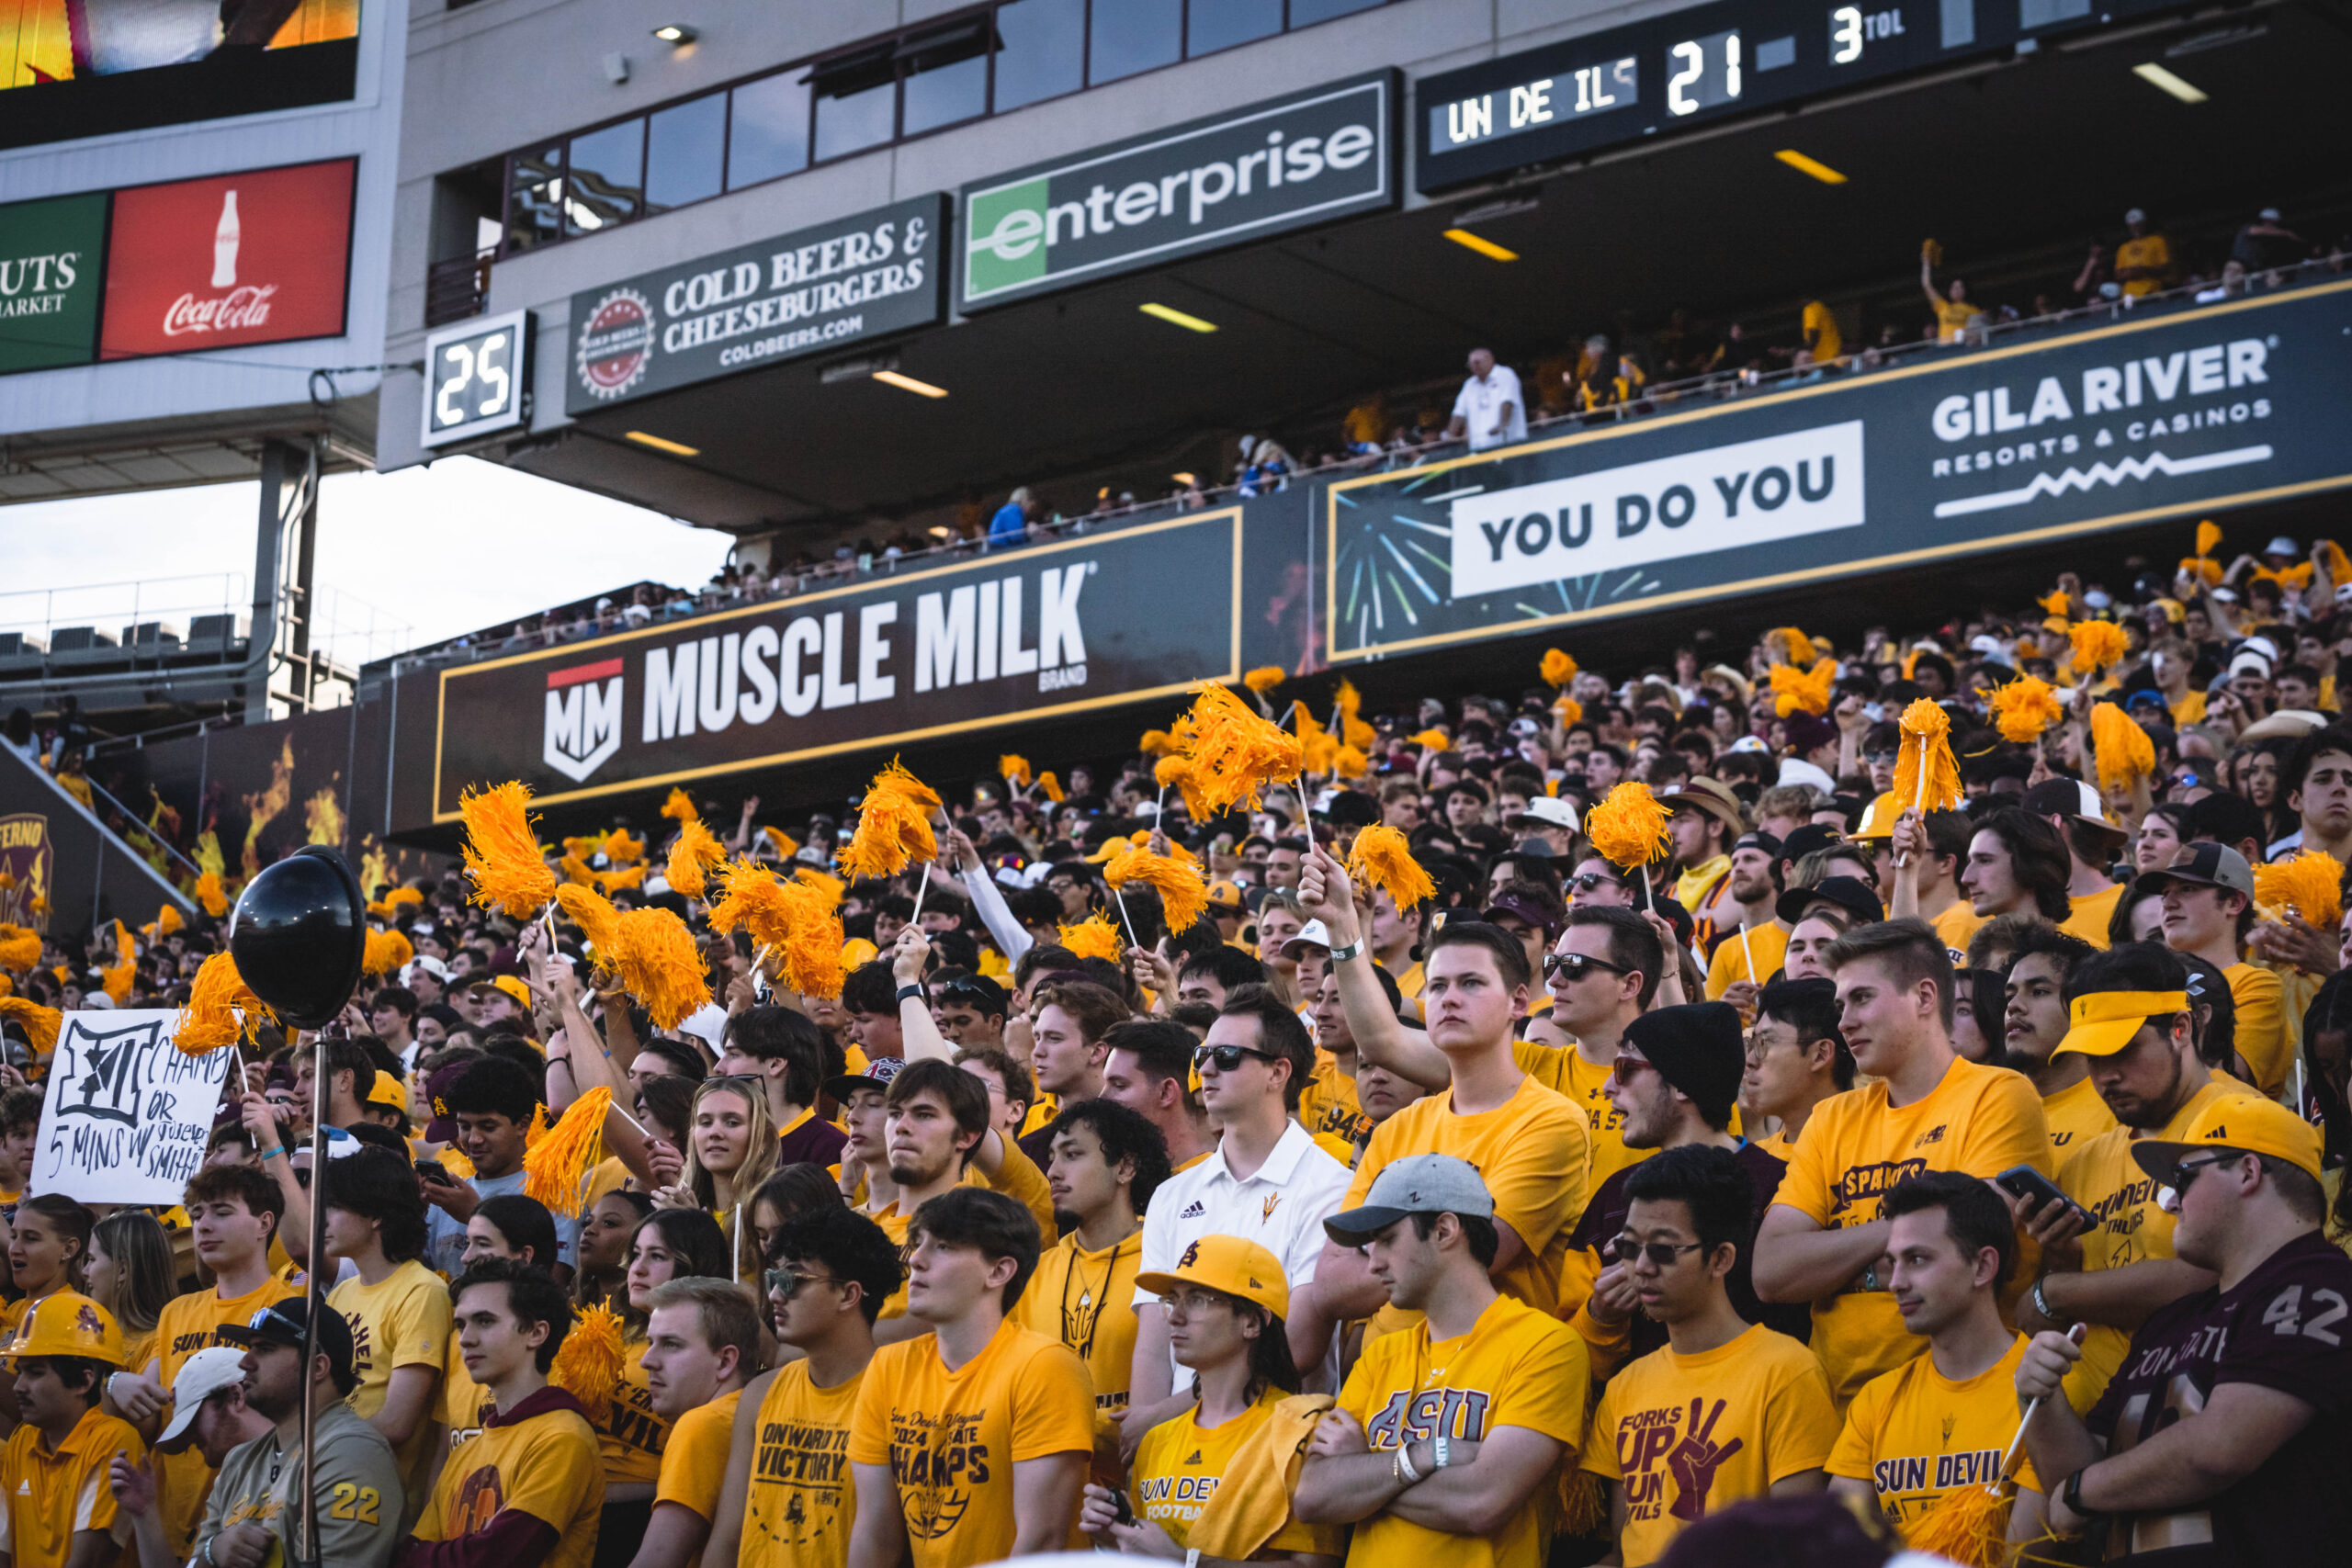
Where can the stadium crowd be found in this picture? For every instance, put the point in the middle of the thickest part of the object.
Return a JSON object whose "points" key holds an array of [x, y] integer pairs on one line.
{"points": [[1829, 1170]]}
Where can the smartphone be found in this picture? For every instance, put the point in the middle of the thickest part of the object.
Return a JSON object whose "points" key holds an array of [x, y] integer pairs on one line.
{"points": [[1121, 1512], [2024, 1182], [433, 1170]]}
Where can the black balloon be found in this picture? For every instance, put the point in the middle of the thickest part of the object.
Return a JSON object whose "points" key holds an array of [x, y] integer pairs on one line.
{"points": [[299, 935]]}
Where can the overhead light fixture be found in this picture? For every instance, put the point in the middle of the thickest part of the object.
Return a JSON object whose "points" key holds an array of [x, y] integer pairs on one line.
{"points": [[1175, 316], [676, 448], [1813, 166], [1185, 479], [940, 531], [1486, 248], [2164, 81], [909, 384], [677, 33]]}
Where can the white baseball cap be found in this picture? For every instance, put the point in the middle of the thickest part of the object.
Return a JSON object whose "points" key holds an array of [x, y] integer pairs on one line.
{"points": [[1548, 809], [200, 1377]]}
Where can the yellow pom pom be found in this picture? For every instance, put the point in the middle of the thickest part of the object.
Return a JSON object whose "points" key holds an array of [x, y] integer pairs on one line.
{"points": [[1791, 644], [893, 826], [593, 1357], [1183, 895], [502, 851], [627, 877], [208, 894], [1430, 740], [1805, 691], [1096, 937], [1265, 678], [1235, 753], [1968, 1525], [40, 1023], [2209, 536], [555, 1170], [1382, 859], [2119, 746], [19, 948], [620, 849], [1050, 788], [1557, 668], [1348, 700], [693, 858], [2097, 645], [1628, 828], [210, 1018], [1013, 769], [387, 952], [1349, 762], [167, 920], [1571, 712], [597, 920], [679, 806], [2024, 708], [2311, 885], [1156, 743], [1926, 775], [662, 966]]}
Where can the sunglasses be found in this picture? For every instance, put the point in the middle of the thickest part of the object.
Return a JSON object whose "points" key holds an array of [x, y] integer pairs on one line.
{"points": [[785, 1283], [1585, 882], [1882, 756], [1624, 1068], [2184, 1173], [1661, 1253], [1227, 1058], [1577, 965]]}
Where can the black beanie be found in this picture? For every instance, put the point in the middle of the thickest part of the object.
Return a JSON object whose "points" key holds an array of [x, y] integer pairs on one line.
{"points": [[1699, 1050]]}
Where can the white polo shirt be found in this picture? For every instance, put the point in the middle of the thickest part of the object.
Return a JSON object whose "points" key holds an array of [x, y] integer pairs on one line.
{"points": [[1282, 1207], [1481, 404]]}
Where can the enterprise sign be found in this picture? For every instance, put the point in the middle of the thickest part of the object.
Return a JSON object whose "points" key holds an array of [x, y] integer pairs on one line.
{"points": [[1265, 170]]}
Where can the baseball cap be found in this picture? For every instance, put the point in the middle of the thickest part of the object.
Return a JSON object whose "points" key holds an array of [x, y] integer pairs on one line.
{"points": [[879, 1071], [2244, 1122], [1226, 896], [2071, 799], [1847, 892], [2146, 697], [2100, 1023], [1545, 811], [2135, 216], [285, 1323], [1230, 1263], [430, 965], [509, 984], [1314, 933], [1521, 907], [200, 1377], [1418, 1184], [2205, 865], [2281, 546], [387, 1090], [442, 1127], [1797, 771]]}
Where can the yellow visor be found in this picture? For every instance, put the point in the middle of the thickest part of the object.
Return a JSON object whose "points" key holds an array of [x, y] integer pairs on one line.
{"points": [[2103, 1022]]}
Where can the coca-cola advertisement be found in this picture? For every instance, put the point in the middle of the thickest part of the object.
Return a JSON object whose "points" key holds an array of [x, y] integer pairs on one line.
{"points": [[259, 257]]}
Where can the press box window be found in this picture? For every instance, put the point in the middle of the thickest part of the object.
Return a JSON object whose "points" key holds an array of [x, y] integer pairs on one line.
{"points": [[605, 178]]}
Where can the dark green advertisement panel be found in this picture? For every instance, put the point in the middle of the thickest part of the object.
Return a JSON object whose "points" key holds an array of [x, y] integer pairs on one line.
{"points": [[50, 282]]}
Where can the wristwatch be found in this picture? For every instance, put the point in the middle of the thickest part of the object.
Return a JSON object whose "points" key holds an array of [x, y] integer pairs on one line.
{"points": [[1353, 950], [2070, 1492], [910, 990]]}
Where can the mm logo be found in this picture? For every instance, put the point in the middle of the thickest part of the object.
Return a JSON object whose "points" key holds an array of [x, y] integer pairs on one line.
{"points": [[583, 722]]}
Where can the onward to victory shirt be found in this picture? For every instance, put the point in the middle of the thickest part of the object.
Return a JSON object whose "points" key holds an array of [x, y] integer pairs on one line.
{"points": [[1180, 1463], [1532, 1150], [1686, 1435], [952, 1439], [1517, 1367], [2282, 1328], [1915, 1434], [803, 1499], [1979, 1120]]}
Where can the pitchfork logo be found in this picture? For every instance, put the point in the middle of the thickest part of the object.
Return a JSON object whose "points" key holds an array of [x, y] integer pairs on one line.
{"points": [[584, 717]]}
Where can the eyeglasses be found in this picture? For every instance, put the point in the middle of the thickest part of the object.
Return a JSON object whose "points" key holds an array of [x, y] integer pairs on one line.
{"points": [[2185, 1172], [785, 1283], [1882, 756], [1193, 1303], [1227, 1058], [1585, 882], [1577, 965], [1625, 1067], [1661, 1253]]}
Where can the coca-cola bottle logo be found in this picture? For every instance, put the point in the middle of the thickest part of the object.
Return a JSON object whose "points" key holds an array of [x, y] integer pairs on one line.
{"points": [[237, 310]]}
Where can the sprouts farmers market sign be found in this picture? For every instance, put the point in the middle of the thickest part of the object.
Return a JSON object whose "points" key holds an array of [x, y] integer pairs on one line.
{"points": [[1057, 628], [50, 281], [1235, 177], [2163, 415], [820, 290]]}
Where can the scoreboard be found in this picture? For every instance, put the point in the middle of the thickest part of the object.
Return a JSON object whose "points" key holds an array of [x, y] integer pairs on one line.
{"points": [[1693, 66]]}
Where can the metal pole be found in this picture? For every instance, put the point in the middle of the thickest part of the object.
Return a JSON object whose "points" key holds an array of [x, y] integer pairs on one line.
{"points": [[321, 1074]]}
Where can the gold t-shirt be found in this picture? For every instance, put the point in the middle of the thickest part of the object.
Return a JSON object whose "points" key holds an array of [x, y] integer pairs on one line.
{"points": [[1916, 1435], [803, 1499], [2074, 1115], [1179, 1464]]}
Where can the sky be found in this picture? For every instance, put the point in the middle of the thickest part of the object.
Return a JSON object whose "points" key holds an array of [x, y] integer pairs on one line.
{"points": [[439, 551]]}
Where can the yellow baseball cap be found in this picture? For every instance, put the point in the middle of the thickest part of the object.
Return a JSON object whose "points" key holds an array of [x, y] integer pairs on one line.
{"points": [[68, 1325], [2242, 1121], [2100, 1023], [387, 1090], [1878, 822], [1230, 1263]]}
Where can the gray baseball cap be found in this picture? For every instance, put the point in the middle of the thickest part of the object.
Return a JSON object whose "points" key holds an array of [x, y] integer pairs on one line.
{"points": [[1418, 1184], [2204, 863]]}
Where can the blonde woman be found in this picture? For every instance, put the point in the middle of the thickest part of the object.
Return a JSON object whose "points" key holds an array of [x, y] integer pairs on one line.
{"points": [[730, 1149], [129, 1272]]}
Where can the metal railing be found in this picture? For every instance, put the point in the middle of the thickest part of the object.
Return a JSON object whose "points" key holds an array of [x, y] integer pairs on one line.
{"points": [[129, 615], [458, 288]]}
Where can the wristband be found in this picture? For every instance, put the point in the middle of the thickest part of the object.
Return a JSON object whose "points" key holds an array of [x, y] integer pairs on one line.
{"points": [[2041, 1305], [1353, 950], [908, 990], [2070, 1492], [268, 1155], [1405, 1464], [1441, 1449]]}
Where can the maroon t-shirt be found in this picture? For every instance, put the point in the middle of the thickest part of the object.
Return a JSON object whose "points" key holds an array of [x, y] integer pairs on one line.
{"points": [[815, 1142], [2286, 1326]]}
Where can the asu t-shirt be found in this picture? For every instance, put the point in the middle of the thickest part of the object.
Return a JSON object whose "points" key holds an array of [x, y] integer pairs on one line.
{"points": [[1769, 945], [1179, 1464], [1917, 1434], [2283, 1326], [1086, 1301], [402, 1322], [1329, 1104], [2127, 1226], [186, 1324], [951, 1438], [1517, 1367], [1979, 1120], [1532, 1151], [1688, 1435], [2263, 1037], [1564, 1071], [2074, 1115], [803, 1498], [631, 1438], [540, 1459]]}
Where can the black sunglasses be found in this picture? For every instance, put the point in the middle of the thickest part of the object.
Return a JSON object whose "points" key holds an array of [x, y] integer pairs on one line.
{"points": [[1585, 882], [1577, 965], [1227, 1058], [785, 1283], [1662, 1253]]}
